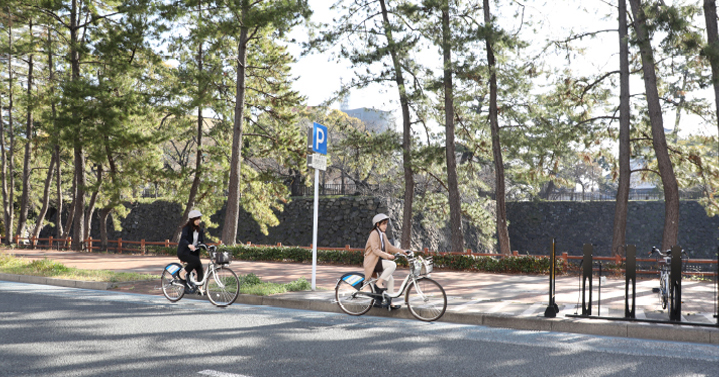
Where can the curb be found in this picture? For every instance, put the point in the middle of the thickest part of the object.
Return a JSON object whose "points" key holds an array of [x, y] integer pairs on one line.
{"points": [[98, 285], [600, 327]]}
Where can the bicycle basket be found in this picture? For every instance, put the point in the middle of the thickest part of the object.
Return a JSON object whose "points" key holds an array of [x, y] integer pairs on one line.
{"points": [[221, 257], [421, 266]]}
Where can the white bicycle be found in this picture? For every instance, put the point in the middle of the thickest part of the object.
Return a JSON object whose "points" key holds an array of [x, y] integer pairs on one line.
{"points": [[424, 297], [220, 284]]}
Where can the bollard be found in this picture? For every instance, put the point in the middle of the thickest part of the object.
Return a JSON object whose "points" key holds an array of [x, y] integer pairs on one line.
{"points": [[599, 291], [631, 275], [587, 274], [552, 308], [675, 286]]}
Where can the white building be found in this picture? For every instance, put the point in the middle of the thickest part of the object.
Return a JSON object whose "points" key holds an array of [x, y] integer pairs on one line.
{"points": [[375, 120]]}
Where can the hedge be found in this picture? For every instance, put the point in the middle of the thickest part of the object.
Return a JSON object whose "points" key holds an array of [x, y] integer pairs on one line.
{"points": [[457, 262]]}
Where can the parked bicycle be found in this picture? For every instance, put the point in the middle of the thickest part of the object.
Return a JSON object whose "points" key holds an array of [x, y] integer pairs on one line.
{"points": [[220, 283], [424, 297], [664, 260]]}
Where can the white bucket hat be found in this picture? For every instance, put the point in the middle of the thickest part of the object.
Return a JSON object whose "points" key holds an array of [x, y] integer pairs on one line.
{"points": [[194, 214]]}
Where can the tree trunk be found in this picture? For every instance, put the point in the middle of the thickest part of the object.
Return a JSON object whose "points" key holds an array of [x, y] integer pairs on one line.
{"points": [[71, 210], [669, 181], [712, 50], [8, 166], [502, 231], [455, 210], [56, 150], [406, 132], [104, 214], [198, 154], [45, 199], [2, 159], [91, 204], [620, 209], [26, 171], [78, 152], [229, 228]]}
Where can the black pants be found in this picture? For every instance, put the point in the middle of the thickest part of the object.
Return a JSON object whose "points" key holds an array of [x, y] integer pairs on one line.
{"points": [[193, 263]]}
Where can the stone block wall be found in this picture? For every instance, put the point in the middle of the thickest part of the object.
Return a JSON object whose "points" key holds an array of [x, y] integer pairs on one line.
{"points": [[347, 221], [572, 224]]}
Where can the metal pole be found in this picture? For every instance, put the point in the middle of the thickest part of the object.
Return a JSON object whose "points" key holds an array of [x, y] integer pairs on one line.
{"points": [[314, 231], [599, 291]]}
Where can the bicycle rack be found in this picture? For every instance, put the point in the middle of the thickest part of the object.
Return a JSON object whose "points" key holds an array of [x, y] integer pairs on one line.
{"points": [[675, 285], [631, 266], [631, 275], [587, 274]]}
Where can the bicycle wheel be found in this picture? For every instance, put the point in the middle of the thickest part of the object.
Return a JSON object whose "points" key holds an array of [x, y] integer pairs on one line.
{"points": [[426, 300], [172, 287], [222, 286], [351, 300], [665, 290]]}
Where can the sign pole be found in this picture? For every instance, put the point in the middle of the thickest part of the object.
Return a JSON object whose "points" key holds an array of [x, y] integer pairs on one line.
{"points": [[318, 161], [314, 230]]}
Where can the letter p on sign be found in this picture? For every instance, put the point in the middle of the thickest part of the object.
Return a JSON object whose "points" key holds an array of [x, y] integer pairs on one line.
{"points": [[319, 138]]}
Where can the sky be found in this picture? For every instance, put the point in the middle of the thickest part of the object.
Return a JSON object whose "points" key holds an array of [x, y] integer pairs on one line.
{"points": [[318, 76]]}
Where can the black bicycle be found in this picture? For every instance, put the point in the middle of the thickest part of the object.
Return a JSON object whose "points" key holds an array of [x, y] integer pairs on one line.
{"points": [[220, 284]]}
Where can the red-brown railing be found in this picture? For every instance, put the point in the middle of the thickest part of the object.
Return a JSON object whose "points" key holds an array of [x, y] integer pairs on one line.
{"points": [[120, 247]]}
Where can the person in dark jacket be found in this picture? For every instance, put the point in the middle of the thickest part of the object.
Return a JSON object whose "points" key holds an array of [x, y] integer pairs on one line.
{"points": [[192, 235]]}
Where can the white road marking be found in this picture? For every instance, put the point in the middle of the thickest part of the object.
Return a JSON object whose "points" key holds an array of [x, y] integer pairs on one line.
{"points": [[465, 305], [498, 307], [215, 373], [532, 309]]}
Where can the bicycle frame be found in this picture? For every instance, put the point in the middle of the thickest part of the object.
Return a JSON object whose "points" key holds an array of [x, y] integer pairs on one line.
{"points": [[399, 292], [210, 269]]}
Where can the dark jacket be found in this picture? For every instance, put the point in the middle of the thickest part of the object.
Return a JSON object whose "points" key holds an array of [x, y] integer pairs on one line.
{"points": [[186, 240]]}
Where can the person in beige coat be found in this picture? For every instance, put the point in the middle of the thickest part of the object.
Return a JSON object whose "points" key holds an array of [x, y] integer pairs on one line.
{"points": [[378, 256]]}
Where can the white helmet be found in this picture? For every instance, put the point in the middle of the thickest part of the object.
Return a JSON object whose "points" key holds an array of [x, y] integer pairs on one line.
{"points": [[194, 214], [379, 217]]}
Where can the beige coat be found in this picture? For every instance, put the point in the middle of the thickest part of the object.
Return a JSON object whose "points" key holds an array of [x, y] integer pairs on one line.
{"points": [[373, 251]]}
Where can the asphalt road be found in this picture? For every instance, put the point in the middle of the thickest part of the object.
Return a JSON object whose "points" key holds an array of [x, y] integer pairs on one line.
{"points": [[56, 331]]}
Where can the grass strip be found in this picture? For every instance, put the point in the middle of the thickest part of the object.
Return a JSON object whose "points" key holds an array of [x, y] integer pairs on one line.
{"points": [[249, 284], [11, 264], [253, 285]]}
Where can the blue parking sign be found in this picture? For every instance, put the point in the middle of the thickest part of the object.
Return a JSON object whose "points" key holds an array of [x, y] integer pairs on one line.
{"points": [[319, 138]]}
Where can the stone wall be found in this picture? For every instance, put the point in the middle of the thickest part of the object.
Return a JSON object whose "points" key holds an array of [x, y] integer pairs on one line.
{"points": [[572, 224], [347, 221]]}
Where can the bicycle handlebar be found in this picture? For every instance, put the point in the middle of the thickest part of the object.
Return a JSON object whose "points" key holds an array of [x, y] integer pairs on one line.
{"points": [[667, 253]]}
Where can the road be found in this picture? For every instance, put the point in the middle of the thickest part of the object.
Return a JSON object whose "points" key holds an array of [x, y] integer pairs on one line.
{"points": [[56, 331]]}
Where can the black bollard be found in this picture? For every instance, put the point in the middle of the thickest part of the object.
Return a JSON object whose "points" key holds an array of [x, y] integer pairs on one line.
{"points": [[552, 308], [587, 275], [631, 275]]}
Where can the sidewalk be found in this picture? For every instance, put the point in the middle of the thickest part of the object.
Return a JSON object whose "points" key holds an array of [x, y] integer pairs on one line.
{"points": [[499, 300]]}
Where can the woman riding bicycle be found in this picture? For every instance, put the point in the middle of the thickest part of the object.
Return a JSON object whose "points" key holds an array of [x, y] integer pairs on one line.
{"points": [[378, 256], [192, 235]]}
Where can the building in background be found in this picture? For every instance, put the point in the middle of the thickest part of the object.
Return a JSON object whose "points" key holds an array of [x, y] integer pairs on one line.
{"points": [[375, 120]]}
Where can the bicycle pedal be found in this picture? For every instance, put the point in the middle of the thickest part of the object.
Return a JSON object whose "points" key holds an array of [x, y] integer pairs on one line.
{"points": [[655, 290]]}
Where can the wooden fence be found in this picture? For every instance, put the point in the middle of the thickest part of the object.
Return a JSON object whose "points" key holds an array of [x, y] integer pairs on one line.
{"points": [[141, 248]]}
